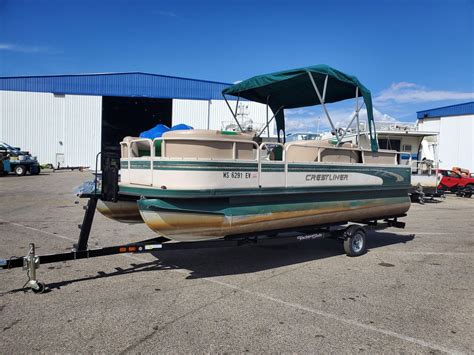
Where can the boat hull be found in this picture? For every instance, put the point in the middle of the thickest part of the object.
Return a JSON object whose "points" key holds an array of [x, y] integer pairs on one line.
{"points": [[121, 211], [198, 200], [203, 219], [428, 183]]}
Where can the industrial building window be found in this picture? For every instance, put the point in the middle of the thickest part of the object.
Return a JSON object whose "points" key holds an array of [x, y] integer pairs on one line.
{"points": [[391, 144]]}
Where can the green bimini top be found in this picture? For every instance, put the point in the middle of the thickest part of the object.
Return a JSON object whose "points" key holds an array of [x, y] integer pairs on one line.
{"points": [[293, 88]]}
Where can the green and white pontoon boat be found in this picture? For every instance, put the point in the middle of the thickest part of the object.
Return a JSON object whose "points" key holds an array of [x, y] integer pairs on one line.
{"points": [[202, 184]]}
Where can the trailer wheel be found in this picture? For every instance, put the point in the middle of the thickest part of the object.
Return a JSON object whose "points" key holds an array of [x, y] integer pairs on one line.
{"points": [[469, 190], [20, 170], [37, 171], [354, 242], [41, 287]]}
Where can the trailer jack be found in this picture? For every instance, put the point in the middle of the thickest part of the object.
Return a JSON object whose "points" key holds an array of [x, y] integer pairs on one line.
{"points": [[31, 263]]}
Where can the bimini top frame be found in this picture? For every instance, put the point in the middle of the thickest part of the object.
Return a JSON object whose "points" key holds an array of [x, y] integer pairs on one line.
{"points": [[297, 87]]}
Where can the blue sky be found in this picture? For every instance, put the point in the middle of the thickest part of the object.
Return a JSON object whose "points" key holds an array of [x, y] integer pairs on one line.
{"points": [[412, 55]]}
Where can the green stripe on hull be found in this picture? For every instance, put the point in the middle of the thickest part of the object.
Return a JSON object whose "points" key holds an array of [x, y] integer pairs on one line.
{"points": [[273, 191], [252, 164], [187, 165], [215, 166], [395, 177], [141, 164]]}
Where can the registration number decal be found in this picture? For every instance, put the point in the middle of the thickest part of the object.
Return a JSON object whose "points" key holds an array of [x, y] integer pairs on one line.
{"points": [[238, 175]]}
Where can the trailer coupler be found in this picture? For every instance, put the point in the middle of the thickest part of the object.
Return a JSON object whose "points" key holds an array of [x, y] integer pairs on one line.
{"points": [[31, 262]]}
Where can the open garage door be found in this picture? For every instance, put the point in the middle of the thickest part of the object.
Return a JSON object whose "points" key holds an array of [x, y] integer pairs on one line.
{"points": [[121, 117], [128, 116]]}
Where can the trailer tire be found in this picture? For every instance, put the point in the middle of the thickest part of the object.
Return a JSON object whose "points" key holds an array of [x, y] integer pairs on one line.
{"points": [[469, 190], [355, 241], [20, 170], [41, 287], [37, 172]]}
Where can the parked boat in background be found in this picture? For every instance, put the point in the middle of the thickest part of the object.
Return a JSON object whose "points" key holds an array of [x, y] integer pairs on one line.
{"points": [[418, 150]]}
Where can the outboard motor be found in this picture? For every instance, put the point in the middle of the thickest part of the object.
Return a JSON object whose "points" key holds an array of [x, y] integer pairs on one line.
{"points": [[110, 175]]}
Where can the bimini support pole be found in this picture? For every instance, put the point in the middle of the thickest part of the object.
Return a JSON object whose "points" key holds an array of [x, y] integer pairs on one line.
{"points": [[233, 114], [268, 131], [237, 107], [356, 114], [321, 100], [357, 118], [269, 121]]}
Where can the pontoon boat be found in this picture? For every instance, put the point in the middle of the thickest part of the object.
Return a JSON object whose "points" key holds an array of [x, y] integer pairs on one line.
{"points": [[202, 184]]}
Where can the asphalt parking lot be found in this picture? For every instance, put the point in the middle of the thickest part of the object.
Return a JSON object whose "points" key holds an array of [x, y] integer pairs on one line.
{"points": [[412, 292]]}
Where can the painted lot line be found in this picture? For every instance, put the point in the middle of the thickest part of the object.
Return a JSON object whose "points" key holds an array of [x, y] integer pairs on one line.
{"points": [[425, 233], [39, 230], [314, 311], [447, 253]]}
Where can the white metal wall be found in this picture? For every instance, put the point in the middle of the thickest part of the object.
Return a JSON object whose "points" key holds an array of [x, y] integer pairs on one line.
{"points": [[429, 124], [46, 125], [191, 112], [214, 114], [456, 143]]}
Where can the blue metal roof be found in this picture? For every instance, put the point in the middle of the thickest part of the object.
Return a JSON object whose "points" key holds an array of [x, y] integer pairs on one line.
{"points": [[466, 108], [134, 84]]}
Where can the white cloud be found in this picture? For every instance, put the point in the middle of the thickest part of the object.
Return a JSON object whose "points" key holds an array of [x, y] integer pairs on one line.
{"points": [[378, 116], [404, 92], [26, 49], [298, 112], [166, 13], [340, 118]]}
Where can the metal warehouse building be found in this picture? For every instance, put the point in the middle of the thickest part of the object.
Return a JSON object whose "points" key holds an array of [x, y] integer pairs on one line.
{"points": [[455, 125], [68, 119]]}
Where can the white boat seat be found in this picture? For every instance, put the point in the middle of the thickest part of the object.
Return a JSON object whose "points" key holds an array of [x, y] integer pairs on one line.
{"points": [[308, 151], [204, 144], [124, 148], [382, 157]]}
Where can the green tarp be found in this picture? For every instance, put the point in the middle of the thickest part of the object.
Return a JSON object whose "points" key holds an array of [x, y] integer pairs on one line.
{"points": [[293, 88]]}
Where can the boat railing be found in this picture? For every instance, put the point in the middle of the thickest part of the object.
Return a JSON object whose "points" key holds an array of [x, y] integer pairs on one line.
{"points": [[391, 157], [423, 167], [140, 149], [128, 147], [234, 142], [395, 126], [135, 142], [272, 159]]}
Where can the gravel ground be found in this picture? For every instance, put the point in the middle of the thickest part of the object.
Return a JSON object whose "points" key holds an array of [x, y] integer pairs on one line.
{"points": [[412, 292]]}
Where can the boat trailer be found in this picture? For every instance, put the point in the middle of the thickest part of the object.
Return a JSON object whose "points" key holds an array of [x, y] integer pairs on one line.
{"points": [[352, 237]]}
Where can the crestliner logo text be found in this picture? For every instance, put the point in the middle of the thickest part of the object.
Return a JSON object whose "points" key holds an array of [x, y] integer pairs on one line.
{"points": [[327, 177]]}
